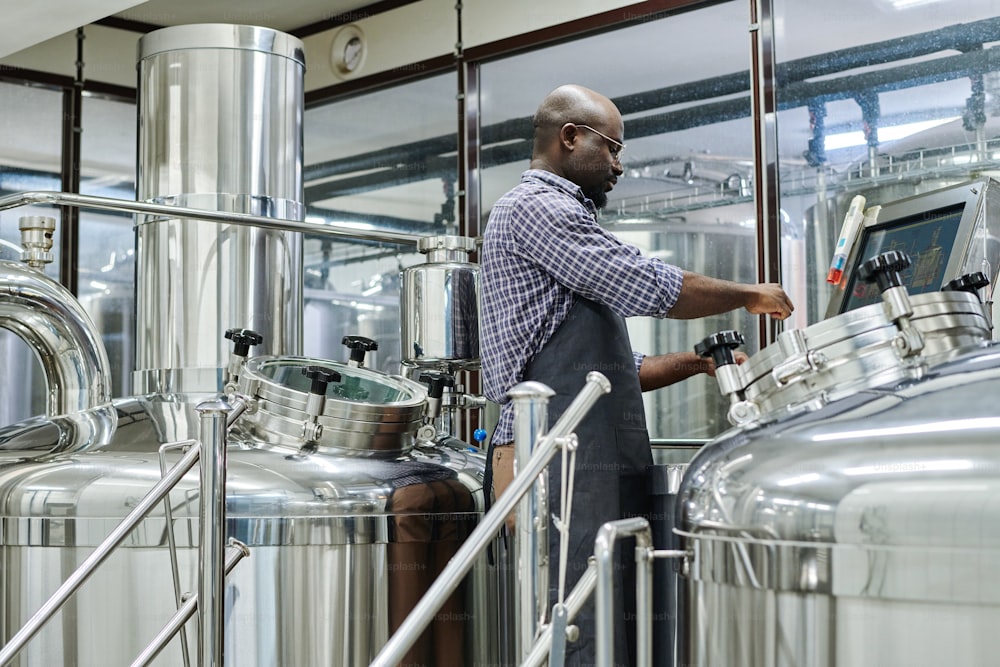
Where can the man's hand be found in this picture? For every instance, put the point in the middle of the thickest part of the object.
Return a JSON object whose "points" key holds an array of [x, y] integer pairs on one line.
{"points": [[770, 299]]}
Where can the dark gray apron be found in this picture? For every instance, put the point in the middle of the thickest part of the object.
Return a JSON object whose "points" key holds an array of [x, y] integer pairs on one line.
{"points": [[611, 461]]}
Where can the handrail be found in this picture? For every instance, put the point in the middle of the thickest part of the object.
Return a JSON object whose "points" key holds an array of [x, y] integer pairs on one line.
{"points": [[52, 198], [574, 603], [409, 631], [604, 550], [99, 555], [237, 551]]}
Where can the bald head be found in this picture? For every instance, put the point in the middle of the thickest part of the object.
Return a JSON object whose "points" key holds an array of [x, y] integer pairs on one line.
{"points": [[578, 135], [571, 104]]}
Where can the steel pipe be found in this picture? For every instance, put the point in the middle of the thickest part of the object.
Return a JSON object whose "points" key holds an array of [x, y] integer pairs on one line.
{"points": [[213, 416], [531, 546], [49, 198]]}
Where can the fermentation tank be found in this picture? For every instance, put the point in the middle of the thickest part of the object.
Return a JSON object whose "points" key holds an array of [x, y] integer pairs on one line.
{"points": [[849, 517], [347, 515]]}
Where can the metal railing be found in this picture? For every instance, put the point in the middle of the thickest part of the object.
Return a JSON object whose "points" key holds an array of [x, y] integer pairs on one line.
{"points": [[168, 211], [216, 416], [459, 565]]}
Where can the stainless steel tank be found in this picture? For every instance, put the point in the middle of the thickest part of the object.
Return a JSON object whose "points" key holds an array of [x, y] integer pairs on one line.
{"points": [[220, 128], [848, 519], [343, 539], [347, 516], [440, 306]]}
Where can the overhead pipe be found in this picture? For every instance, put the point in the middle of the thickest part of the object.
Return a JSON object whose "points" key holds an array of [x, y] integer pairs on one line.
{"points": [[791, 96], [959, 37]]}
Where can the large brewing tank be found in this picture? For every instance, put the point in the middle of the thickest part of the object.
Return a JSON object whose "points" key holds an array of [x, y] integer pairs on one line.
{"points": [[346, 530], [440, 306], [849, 519]]}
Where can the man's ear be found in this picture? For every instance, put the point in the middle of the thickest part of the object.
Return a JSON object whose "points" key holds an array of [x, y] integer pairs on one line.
{"points": [[568, 135]]}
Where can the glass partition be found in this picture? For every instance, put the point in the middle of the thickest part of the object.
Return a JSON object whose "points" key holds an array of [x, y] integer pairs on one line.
{"points": [[884, 99], [30, 130], [682, 85], [106, 269], [383, 160]]}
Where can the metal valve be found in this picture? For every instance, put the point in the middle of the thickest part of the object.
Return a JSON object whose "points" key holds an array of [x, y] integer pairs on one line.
{"points": [[884, 271], [321, 377], [720, 347], [359, 347], [243, 340], [36, 238], [436, 381], [970, 282]]}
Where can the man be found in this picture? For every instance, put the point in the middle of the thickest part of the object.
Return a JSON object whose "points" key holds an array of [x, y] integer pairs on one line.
{"points": [[556, 288]]}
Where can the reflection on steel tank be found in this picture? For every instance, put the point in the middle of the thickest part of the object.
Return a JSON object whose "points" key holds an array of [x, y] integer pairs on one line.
{"points": [[329, 316], [846, 519]]}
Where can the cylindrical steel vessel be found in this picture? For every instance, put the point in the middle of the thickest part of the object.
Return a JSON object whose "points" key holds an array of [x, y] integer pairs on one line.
{"points": [[343, 541], [851, 523], [440, 306], [220, 128]]}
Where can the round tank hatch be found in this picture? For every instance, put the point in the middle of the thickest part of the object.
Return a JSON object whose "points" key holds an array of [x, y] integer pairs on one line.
{"points": [[352, 409]]}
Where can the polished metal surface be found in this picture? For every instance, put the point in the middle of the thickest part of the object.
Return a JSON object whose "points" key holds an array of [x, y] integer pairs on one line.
{"points": [[531, 546], [350, 543], [222, 36], [604, 547], [859, 350], [242, 155], [342, 547], [47, 317], [102, 553], [365, 413], [440, 306], [853, 534]]}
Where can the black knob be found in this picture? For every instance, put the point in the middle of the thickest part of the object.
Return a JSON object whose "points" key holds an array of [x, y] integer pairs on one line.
{"points": [[243, 339], [436, 382], [321, 376], [970, 282], [884, 269], [359, 345], [720, 347]]}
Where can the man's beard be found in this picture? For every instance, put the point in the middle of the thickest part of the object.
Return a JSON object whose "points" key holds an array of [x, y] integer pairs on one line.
{"points": [[597, 195]]}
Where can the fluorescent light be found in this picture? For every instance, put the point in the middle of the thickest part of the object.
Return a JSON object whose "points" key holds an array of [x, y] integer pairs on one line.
{"points": [[909, 4], [885, 134]]}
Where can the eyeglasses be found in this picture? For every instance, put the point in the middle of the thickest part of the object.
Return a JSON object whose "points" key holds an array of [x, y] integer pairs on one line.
{"points": [[616, 148]]}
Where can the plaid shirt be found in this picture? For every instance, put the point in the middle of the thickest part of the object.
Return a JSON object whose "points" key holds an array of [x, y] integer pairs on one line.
{"points": [[543, 247]]}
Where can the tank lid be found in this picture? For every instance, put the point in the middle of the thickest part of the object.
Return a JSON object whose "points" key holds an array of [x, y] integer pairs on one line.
{"points": [[361, 410], [221, 36]]}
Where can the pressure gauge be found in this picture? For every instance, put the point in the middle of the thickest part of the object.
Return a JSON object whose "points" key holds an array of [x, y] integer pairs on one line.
{"points": [[348, 51]]}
